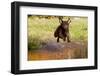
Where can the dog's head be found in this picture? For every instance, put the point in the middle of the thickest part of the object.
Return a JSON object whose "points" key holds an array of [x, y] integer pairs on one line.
{"points": [[65, 24]]}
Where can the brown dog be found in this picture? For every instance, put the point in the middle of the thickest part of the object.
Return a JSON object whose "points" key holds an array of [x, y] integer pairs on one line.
{"points": [[62, 30]]}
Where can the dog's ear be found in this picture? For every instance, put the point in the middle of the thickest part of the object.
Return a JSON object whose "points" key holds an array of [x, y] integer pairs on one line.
{"points": [[69, 20], [60, 19]]}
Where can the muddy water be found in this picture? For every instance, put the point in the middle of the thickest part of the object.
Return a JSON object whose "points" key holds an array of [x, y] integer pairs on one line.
{"points": [[55, 51]]}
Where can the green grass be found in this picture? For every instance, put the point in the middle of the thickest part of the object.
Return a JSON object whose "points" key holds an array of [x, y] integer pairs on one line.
{"points": [[79, 30], [41, 31]]}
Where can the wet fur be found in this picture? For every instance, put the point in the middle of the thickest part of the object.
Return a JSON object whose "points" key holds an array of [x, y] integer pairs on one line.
{"points": [[62, 31]]}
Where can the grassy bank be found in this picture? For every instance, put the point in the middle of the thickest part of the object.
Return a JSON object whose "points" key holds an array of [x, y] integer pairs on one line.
{"points": [[41, 31]]}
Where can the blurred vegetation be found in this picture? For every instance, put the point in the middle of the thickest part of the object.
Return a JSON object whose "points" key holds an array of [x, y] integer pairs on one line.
{"points": [[41, 29]]}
